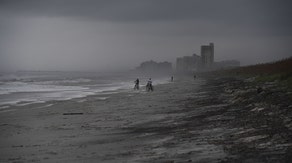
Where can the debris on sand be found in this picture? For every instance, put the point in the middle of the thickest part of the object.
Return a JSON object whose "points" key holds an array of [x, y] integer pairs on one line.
{"points": [[257, 109], [72, 113]]}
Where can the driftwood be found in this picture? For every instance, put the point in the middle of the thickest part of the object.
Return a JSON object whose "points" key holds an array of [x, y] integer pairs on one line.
{"points": [[72, 113]]}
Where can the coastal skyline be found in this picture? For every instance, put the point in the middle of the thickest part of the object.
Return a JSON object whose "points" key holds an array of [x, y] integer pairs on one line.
{"points": [[118, 35]]}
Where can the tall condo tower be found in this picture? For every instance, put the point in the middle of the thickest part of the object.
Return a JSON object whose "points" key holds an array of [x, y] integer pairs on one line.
{"points": [[207, 53]]}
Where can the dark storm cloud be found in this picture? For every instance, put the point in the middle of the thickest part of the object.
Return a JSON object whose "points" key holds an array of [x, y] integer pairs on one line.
{"points": [[116, 30], [256, 11], [271, 15]]}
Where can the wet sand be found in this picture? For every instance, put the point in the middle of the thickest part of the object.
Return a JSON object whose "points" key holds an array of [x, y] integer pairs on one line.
{"points": [[184, 121]]}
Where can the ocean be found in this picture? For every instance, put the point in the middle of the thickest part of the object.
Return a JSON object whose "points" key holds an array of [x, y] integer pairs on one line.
{"points": [[24, 88]]}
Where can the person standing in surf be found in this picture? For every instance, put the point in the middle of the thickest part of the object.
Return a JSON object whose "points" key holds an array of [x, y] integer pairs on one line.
{"points": [[149, 86], [136, 87]]}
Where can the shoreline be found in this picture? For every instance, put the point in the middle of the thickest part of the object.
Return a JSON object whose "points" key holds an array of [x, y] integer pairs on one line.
{"points": [[184, 121], [69, 95]]}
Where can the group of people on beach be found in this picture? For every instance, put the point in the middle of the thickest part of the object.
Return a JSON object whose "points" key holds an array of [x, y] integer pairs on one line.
{"points": [[149, 86]]}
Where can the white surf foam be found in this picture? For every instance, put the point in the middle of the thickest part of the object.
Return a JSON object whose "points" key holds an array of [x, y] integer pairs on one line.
{"points": [[15, 87]]}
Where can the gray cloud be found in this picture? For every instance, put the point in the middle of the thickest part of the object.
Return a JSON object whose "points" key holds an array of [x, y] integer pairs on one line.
{"points": [[67, 33], [266, 12]]}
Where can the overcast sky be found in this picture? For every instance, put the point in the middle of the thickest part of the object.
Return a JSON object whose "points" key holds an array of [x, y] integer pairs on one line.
{"points": [[119, 34]]}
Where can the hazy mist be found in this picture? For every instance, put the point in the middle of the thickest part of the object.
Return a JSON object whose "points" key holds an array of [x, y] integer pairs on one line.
{"points": [[101, 35]]}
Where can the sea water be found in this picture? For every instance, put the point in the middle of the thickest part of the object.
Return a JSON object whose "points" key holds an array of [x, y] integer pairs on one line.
{"points": [[23, 88]]}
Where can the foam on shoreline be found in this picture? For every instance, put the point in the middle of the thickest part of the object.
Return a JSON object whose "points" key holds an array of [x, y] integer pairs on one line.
{"points": [[26, 91]]}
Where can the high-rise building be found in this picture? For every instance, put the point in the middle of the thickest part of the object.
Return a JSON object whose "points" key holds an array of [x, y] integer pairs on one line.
{"points": [[207, 53], [205, 62], [188, 63], [194, 63]]}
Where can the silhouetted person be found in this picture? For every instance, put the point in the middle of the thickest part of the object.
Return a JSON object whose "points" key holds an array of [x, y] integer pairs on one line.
{"points": [[172, 78], [136, 84], [195, 77], [149, 86]]}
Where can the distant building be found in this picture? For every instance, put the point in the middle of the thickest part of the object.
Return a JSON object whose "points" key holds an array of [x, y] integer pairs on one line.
{"points": [[205, 62], [154, 67], [197, 60], [207, 53], [188, 63], [184, 63]]}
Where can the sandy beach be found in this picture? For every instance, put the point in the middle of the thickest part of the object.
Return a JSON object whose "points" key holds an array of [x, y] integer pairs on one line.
{"points": [[206, 120]]}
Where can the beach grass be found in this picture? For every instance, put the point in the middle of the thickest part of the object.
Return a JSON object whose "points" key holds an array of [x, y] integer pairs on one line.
{"points": [[279, 72]]}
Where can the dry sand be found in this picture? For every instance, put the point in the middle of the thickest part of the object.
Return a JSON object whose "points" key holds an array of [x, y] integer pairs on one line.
{"points": [[184, 121]]}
